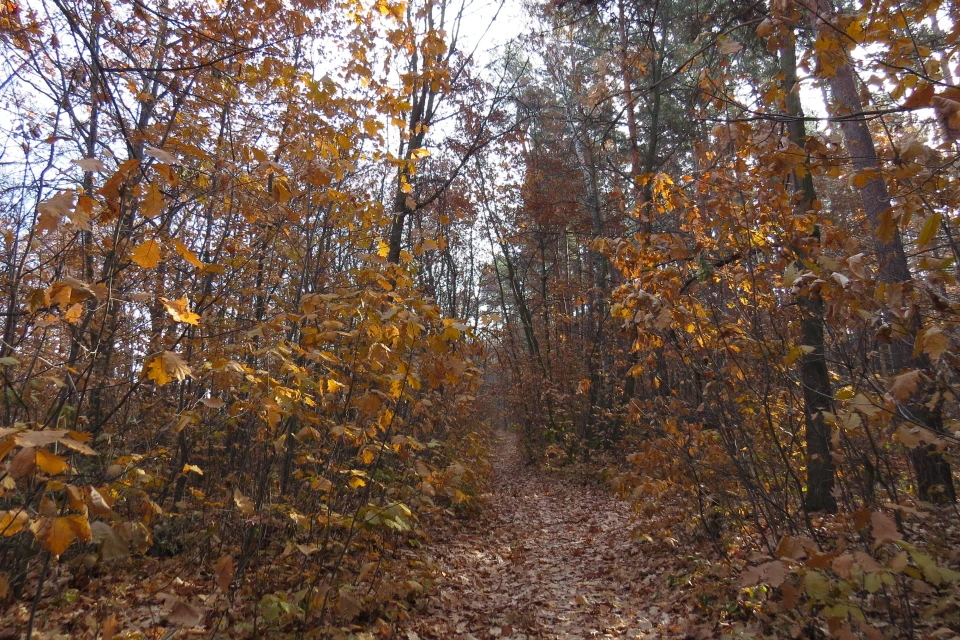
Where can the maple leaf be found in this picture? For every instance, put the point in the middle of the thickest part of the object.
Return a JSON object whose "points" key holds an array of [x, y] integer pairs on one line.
{"points": [[13, 522], [179, 310], [175, 365], [728, 46], [91, 165], [934, 342], [52, 210], [223, 571], [244, 504], [905, 384], [58, 533], [157, 372], [183, 614], [884, 528], [23, 464], [51, 464], [163, 156], [147, 255], [74, 313], [920, 97], [82, 214], [152, 201], [166, 367]]}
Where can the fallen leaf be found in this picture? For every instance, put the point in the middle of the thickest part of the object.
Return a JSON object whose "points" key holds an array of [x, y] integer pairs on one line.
{"points": [[184, 615]]}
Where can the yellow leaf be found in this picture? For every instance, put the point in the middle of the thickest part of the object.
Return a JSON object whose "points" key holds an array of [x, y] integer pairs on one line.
{"points": [[147, 255], [50, 463], [887, 226], [59, 533], [179, 310], [792, 356], [13, 522], [152, 201], [187, 468], [244, 504], [929, 230], [356, 482], [165, 367], [73, 314], [187, 255], [157, 372]]}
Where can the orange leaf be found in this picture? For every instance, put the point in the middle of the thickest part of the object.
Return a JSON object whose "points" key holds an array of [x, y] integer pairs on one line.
{"points": [[50, 463], [920, 97], [147, 255], [179, 310]]}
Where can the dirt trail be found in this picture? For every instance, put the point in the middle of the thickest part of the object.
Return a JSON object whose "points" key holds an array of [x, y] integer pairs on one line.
{"points": [[550, 557]]}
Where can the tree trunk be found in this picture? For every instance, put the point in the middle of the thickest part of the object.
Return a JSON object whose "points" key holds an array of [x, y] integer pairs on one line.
{"points": [[933, 471], [817, 393]]}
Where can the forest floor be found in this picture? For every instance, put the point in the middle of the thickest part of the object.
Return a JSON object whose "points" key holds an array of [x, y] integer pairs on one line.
{"points": [[552, 556]]}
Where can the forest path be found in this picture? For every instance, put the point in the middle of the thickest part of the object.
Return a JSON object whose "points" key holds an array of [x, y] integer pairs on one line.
{"points": [[550, 557]]}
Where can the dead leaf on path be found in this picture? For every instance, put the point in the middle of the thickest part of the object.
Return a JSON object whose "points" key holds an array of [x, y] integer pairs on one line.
{"points": [[181, 613]]}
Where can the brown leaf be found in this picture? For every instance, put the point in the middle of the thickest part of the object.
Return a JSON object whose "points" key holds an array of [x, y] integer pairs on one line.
{"points": [[224, 572], [349, 606], [884, 528], [23, 463], [52, 210], [163, 156], [109, 628], [920, 97], [904, 385], [244, 504], [112, 544], [91, 165], [183, 614], [789, 595]]}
